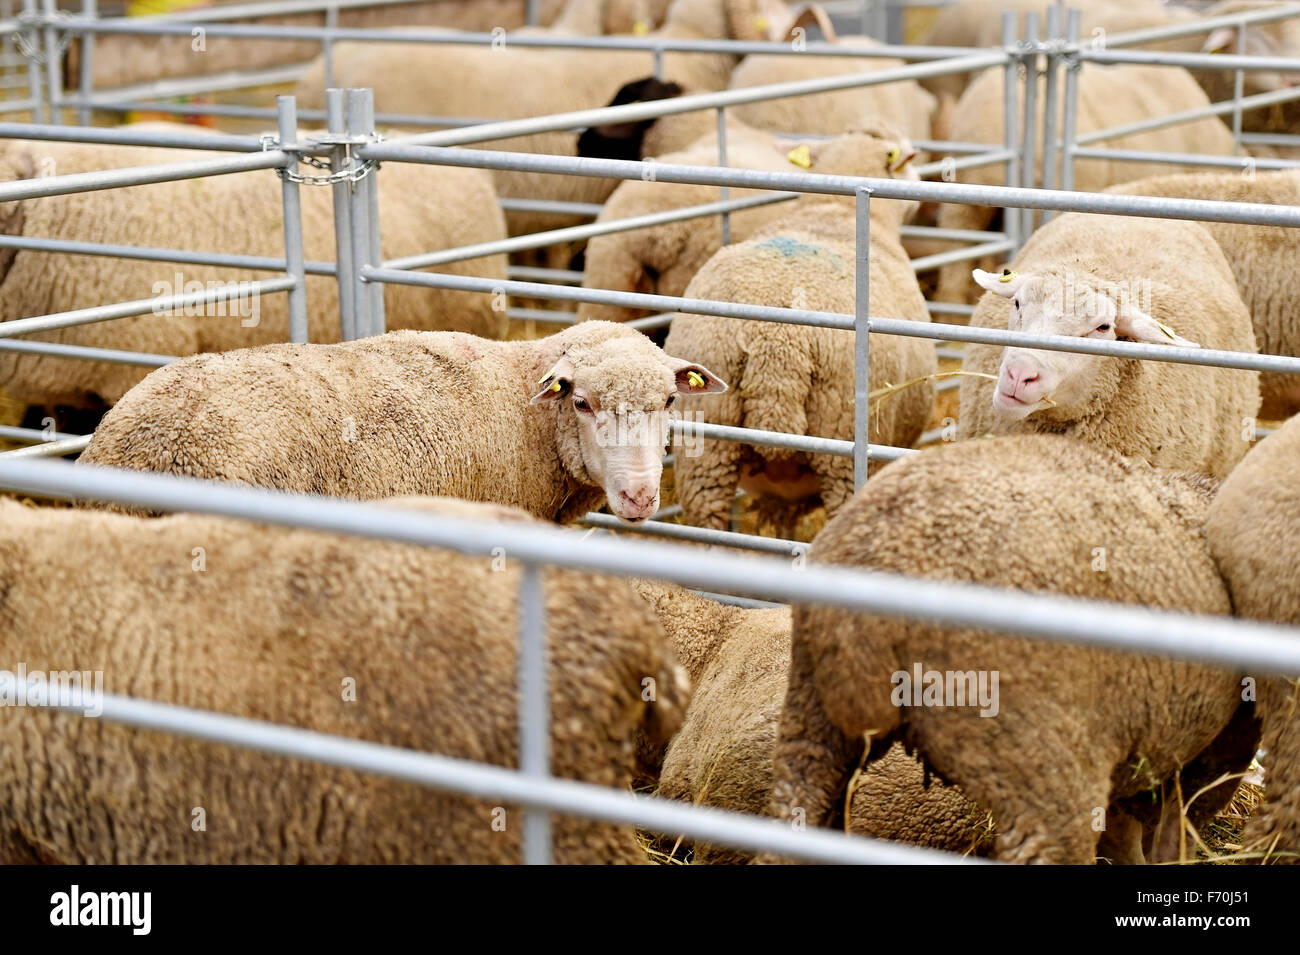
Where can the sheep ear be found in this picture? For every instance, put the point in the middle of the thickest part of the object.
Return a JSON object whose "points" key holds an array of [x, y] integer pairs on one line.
{"points": [[693, 379], [812, 14], [1219, 40], [624, 140], [556, 383], [1005, 283], [1138, 325]]}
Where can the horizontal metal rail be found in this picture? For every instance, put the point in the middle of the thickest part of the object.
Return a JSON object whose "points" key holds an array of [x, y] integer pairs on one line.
{"points": [[696, 535], [84, 353], [137, 176], [499, 784], [635, 112], [1159, 207], [144, 306], [150, 26], [1195, 27], [1228, 641], [52, 449], [884, 326], [1191, 115], [537, 240], [1186, 159], [148, 253]]}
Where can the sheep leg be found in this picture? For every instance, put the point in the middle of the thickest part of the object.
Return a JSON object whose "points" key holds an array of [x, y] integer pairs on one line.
{"points": [[814, 760], [707, 476], [836, 475], [1276, 828], [1054, 828]]}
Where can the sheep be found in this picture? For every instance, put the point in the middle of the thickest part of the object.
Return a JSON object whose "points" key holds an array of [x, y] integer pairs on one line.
{"points": [[422, 209], [1263, 260], [1155, 281], [1253, 529], [905, 106], [419, 413], [122, 59], [1067, 733], [664, 258], [394, 644], [798, 379], [412, 79], [1108, 96], [737, 661]]}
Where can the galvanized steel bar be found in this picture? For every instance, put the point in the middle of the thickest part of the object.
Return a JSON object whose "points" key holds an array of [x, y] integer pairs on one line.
{"points": [[83, 353], [939, 259], [1070, 117], [1191, 115], [632, 112], [359, 217], [1223, 640], [1159, 207], [1010, 128], [151, 253], [724, 193], [368, 193], [135, 176], [862, 337], [130, 136], [291, 210], [534, 708], [499, 784], [695, 535], [86, 73], [51, 449], [1185, 159], [165, 303], [336, 111], [537, 240], [884, 326], [32, 37], [53, 60], [1052, 60], [1029, 163]]}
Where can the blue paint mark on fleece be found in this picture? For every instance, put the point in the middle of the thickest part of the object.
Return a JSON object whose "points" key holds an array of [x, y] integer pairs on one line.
{"points": [[790, 247]]}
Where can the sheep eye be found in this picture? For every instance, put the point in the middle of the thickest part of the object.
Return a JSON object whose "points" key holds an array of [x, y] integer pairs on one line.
{"points": [[581, 404], [1104, 327], [669, 402], [1015, 302]]}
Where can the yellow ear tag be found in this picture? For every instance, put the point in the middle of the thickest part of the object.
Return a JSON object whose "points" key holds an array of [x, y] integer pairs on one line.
{"points": [[640, 28], [695, 379], [1169, 332], [1006, 276], [801, 156], [555, 386], [893, 156], [760, 23]]}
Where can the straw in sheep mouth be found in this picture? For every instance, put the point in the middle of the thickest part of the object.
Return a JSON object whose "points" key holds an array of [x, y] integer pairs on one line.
{"points": [[880, 393]]}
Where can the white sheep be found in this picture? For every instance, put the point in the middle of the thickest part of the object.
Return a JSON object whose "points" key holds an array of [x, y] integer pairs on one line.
{"points": [[1106, 278]]}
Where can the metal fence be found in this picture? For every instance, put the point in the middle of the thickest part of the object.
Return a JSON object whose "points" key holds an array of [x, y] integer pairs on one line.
{"points": [[354, 152]]}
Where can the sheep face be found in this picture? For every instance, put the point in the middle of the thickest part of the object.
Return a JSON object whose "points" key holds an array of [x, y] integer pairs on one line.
{"points": [[617, 402], [1076, 304]]}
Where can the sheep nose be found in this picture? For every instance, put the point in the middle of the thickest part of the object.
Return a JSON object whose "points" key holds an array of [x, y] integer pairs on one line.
{"points": [[639, 498], [1020, 377]]}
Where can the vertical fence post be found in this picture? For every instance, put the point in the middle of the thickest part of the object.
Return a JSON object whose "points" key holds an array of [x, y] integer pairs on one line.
{"points": [[861, 338], [327, 44], [1010, 135], [358, 218], [86, 77], [1070, 121], [53, 60], [336, 124], [287, 117], [724, 193], [534, 708], [1029, 165], [370, 197], [1051, 98], [530, 12], [1238, 89], [30, 43]]}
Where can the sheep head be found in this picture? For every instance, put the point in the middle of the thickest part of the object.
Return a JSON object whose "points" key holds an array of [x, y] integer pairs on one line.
{"points": [[1073, 303], [613, 401]]}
